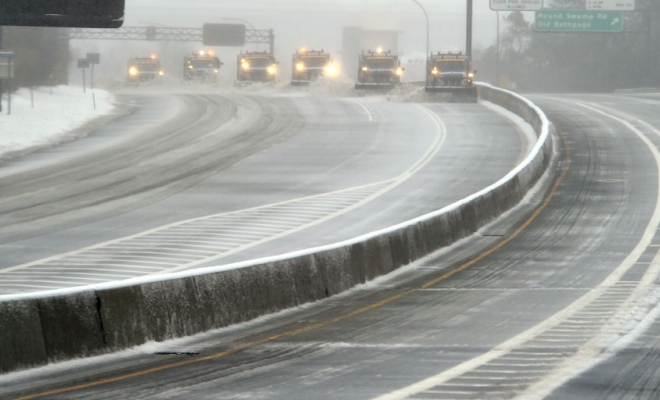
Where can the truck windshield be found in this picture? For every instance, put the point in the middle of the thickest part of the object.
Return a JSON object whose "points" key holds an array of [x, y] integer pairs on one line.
{"points": [[451, 65], [381, 63], [147, 67], [205, 63], [315, 62], [259, 62]]}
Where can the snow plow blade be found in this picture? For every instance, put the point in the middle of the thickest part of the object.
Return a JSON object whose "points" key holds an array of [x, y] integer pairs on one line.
{"points": [[458, 92], [375, 86]]}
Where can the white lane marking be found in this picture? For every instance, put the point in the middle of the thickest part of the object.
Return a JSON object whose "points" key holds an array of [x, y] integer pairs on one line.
{"points": [[369, 114], [544, 387], [633, 305], [441, 135], [246, 224]]}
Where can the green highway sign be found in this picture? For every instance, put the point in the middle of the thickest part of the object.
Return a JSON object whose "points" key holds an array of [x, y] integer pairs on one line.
{"points": [[578, 21]]}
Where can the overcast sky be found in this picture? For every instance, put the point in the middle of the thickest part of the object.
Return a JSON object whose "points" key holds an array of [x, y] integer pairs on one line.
{"points": [[312, 24], [321, 20]]}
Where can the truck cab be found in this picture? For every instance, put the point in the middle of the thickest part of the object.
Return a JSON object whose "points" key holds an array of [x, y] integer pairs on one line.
{"points": [[256, 67], [141, 69], [202, 66], [309, 65], [378, 70], [450, 73]]}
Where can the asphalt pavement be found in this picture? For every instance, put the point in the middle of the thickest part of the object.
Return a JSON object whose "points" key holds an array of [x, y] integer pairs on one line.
{"points": [[556, 299]]}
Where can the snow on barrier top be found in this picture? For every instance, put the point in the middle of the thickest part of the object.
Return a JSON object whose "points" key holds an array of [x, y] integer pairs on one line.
{"points": [[61, 324]]}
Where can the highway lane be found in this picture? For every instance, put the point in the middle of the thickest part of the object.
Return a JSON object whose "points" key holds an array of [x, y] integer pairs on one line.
{"points": [[625, 366], [178, 189], [516, 321]]}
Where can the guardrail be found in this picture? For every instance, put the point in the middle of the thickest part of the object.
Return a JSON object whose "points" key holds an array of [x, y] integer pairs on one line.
{"points": [[637, 90], [36, 329]]}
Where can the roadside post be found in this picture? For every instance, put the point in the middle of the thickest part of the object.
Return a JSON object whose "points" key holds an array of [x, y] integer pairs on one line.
{"points": [[83, 64], [94, 59], [6, 72]]}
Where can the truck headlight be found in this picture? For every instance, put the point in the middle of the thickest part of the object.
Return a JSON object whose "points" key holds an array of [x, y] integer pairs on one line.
{"points": [[300, 67], [435, 71], [365, 68], [331, 70], [245, 65], [399, 72], [161, 72], [272, 70], [132, 71], [471, 75]]}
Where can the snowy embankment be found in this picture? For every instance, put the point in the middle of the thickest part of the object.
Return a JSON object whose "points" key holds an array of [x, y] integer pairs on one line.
{"points": [[42, 119]]}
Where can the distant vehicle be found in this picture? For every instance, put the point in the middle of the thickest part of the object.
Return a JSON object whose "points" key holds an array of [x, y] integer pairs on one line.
{"points": [[144, 69], [256, 67], [378, 70], [309, 65], [202, 66], [451, 73]]}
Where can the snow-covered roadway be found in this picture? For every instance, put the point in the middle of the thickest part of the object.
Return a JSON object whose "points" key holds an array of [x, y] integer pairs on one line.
{"points": [[192, 180]]}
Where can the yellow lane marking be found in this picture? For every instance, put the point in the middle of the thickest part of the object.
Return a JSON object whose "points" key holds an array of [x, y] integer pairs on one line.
{"points": [[517, 231], [362, 310]]}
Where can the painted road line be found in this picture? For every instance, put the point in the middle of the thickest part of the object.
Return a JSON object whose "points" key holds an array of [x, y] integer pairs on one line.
{"points": [[171, 248], [620, 297], [340, 318]]}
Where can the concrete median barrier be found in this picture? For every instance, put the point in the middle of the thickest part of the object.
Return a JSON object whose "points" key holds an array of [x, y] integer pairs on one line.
{"points": [[41, 328], [78, 312], [21, 339]]}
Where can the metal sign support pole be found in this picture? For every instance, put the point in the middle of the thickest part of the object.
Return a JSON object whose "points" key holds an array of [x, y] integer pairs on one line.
{"points": [[497, 61], [91, 84], [84, 90], [9, 97], [468, 36], [1, 29]]}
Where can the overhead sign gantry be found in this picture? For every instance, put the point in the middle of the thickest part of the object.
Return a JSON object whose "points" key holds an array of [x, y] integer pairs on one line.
{"points": [[210, 32]]}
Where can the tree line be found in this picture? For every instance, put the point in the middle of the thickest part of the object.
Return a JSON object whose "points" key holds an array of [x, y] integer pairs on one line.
{"points": [[41, 55], [576, 62]]}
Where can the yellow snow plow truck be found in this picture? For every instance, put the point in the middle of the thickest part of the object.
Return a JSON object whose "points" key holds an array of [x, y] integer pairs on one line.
{"points": [[142, 69], [201, 66], [453, 74], [378, 70], [258, 66], [309, 65]]}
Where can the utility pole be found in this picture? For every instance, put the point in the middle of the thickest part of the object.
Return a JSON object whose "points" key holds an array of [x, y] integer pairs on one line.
{"points": [[428, 35], [498, 71], [1, 29], [468, 36]]}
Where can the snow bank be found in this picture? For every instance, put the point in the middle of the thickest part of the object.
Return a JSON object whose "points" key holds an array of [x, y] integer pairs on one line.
{"points": [[52, 118]]}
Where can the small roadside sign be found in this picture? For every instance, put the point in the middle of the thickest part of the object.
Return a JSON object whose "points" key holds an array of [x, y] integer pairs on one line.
{"points": [[578, 21], [611, 5], [6, 65], [516, 5], [83, 64], [94, 58]]}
